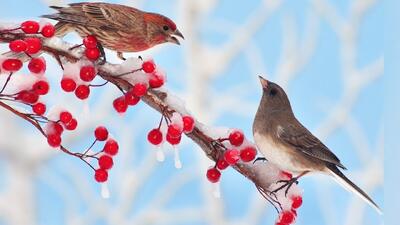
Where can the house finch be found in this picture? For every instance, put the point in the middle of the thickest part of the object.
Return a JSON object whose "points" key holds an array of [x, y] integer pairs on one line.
{"points": [[116, 27]]}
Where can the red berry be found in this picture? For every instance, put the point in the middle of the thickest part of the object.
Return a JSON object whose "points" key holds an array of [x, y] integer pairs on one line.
{"points": [[222, 164], [101, 133], [173, 140], [149, 66], [156, 81], [139, 89], [54, 140], [131, 99], [87, 73], [11, 65], [111, 147], [120, 105], [231, 156], [105, 162], [248, 154], [65, 117], [68, 84], [28, 97], [188, 124], [213, 175], [33, 45], [297, 202], [37, 65], [82, 92], [92, 53], [17, 46], [286, 217], [41, 87], [155, 137], [39, 108], [90, 41], [236, 138], [72, 124], [101, 175], [30, 27], [48, 30], [58, 129], [174, 130]]}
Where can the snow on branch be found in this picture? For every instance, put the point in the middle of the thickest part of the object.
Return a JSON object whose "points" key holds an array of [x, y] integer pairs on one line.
{"points": [[137, 80]]}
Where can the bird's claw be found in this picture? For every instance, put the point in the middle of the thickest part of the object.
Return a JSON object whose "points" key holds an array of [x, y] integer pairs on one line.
{"points": [[287, 183]]}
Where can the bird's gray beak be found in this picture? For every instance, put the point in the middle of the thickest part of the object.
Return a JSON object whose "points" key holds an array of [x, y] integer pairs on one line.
{"points": [[264, 82], [173, 38]]}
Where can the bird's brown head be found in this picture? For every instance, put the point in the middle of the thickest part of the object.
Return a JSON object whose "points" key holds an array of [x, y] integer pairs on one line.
{"points": [[274, 98], [162, 29]]}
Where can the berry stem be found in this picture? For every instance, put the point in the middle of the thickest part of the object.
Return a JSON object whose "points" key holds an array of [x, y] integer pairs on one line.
{"points": [[5, 84]]}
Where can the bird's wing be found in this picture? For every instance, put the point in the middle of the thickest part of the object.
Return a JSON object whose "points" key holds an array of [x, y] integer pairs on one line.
{"points": [[109, 16], [303, 140]]}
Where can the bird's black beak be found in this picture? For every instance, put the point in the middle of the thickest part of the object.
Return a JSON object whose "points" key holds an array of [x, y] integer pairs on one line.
{"points": [[264, 82], [173, 36]]}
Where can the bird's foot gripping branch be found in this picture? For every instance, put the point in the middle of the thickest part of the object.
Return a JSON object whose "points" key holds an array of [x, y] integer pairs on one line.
{"points": [[138, 81]]}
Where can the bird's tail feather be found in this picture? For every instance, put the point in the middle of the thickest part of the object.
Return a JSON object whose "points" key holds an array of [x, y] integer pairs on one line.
{"points": [[351, 187]]}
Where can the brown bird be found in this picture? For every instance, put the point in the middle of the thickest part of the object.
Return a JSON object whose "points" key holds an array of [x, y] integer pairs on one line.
{"points": [[116, 27], [285, 142]]}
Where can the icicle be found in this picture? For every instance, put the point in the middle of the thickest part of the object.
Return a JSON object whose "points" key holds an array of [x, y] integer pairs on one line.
{"points": [[160, 154], [178, 163], [216, 190], [105, 192]]}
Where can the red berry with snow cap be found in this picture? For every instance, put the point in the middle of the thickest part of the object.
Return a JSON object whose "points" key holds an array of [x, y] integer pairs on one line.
{"points": [[248, 154], [17, 46], [33, 45], [48, 31], [148, 66], [231, 156], [30, 27], [188, 124], [236, 138]]}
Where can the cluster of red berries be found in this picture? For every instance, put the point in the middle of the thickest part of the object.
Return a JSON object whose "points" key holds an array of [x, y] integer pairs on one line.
{"points": [[239, 151], [92, 51], [174, 132], [138, 90], [29, 46], [54, 129], [80, 86], [105, 161], [288, 217]]}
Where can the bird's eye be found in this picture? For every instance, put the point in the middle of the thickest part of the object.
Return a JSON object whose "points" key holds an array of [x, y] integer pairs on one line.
{"points": [[165, 28], [273, 92]]}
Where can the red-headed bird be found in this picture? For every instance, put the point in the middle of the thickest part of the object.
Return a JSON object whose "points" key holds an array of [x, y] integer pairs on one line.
{"points": [[116, 27]]}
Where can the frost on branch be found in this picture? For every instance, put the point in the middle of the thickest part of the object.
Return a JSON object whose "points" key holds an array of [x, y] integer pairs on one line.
{"points": [[137, 79]]}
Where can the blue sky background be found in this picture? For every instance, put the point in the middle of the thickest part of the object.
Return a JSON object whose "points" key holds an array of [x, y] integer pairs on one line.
{"points": [[314, 90]]}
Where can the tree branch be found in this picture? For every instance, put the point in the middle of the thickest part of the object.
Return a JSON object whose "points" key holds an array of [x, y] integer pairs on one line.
{"points": [[156, 99]]}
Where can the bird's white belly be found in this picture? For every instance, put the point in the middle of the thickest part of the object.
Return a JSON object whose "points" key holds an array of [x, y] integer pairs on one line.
{"points": [[276, 154]]}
